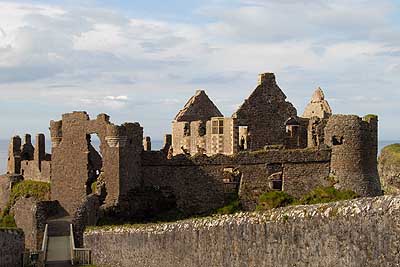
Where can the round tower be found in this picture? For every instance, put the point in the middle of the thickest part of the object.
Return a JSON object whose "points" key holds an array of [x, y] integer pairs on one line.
{"points": [[354, 143]]}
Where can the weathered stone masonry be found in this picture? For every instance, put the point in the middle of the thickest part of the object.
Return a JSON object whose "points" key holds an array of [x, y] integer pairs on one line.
{"points": [[72, 168], [199, 183], [357, 233], [11, 247]]}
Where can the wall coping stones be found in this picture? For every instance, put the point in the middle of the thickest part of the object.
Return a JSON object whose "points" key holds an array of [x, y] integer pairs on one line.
{"points": [[342, 209]]}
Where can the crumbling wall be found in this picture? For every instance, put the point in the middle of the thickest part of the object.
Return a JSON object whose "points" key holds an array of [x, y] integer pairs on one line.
{"points": [[7, 181], [86, 215], [31, 162], [354, 153], [31, 217], [265, 113], [121, 147], [11, 247], [199, 182], [362, 232]]}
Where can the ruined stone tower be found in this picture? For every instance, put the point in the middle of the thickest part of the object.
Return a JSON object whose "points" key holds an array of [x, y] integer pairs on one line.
{"points": [[75, 165], [354, 153]]}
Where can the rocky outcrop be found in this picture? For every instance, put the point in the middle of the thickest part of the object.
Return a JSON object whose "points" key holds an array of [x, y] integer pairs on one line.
{"points": [[389, 169]]}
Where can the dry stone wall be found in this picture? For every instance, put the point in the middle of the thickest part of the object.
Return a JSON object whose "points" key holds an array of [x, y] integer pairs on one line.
{"points": [[357, 233], [11, 247]]}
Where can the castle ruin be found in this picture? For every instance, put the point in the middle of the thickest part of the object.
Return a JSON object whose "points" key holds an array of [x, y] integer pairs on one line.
{"points": [[264, 146]]}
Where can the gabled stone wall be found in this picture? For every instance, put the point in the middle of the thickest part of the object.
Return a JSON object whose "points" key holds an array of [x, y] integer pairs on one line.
{"points": [[265, 113]]}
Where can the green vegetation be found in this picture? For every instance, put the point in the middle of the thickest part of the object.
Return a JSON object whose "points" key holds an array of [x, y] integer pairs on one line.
{"points": [[391, 153], [7, 221], [325, 195], [274, 199], [93, 187], [38, 190], [370, 116], [232, 207], [278, 199]]}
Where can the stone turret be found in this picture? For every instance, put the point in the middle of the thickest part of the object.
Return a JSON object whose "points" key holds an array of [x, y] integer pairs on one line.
{"points": [[354, 144], [318, 106]]}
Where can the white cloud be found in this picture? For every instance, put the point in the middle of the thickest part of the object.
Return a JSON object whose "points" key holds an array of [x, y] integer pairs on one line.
{"points": [[102, 60]]}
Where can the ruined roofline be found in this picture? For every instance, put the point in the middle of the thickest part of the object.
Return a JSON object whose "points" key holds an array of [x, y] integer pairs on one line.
{"points": [[198, 107], [265, 80]]}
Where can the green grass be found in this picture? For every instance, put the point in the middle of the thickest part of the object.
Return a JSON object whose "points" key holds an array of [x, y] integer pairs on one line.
{"points": [[7, 221], [325, 195], [370, 116], [232, 207], [273, 200], [38, 190], [278, 199], [393, 149]]}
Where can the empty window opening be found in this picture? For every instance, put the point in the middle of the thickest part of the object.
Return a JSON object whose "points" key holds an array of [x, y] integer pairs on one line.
{"points": [[95, 162], [186, 129], [336, 141], [277, 184]]}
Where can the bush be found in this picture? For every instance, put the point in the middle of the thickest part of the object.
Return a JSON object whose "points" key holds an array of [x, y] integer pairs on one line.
{"points": [[274, 199], [7, 221], [233, 207], [326, 194], [38, 190]]}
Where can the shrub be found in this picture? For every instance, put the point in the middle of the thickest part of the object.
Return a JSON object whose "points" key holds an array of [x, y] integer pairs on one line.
{"points": [[38, 190], [326, 194], [232, 207], [274, 199], [7, 221]]}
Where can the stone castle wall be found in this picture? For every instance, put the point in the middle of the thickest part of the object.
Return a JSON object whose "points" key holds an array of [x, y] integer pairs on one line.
{"points": [[11, 247], [30, 170], [72, 168], [200, 183], [31, 217], [357, 233], [354, 153]]}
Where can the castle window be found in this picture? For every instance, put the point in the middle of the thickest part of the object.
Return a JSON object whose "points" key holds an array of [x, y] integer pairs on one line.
{"points": [[217, 127], [277, 184], [186, 129], [336, 141]]}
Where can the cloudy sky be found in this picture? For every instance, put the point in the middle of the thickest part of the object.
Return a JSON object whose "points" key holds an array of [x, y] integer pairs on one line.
{"points": [[141, 60]]}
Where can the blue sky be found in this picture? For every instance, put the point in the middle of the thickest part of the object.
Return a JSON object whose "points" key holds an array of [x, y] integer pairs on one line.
{"points": [[141, 60]]}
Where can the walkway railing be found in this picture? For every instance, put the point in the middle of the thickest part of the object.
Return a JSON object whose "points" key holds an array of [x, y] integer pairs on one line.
{"points": [[79, 255], [37, 258]]}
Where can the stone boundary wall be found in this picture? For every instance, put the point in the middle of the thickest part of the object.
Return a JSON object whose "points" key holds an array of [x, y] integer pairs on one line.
{"points": [[11, 247], [362, 232]]}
